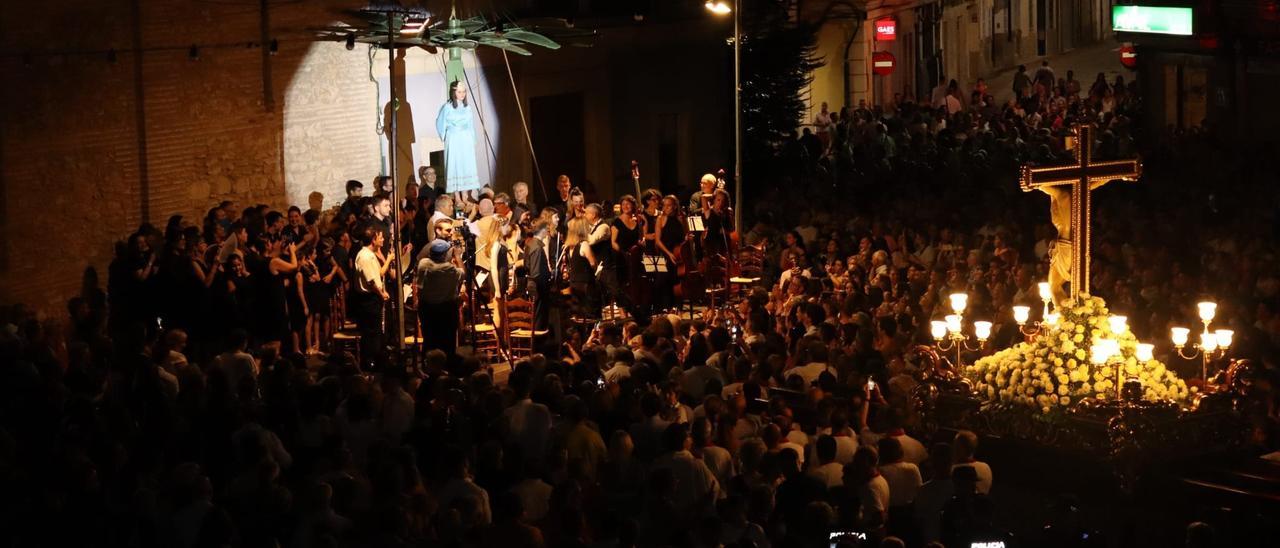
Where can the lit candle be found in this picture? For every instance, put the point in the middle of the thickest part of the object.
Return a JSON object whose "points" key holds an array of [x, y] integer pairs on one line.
{"points": [[1144, 352], [1207, 310], [1208, 342], [1179, 336], [1118, 324], [938, 329], [1045, 294], [1113, 347], [982, 330], [1051, 319], [953, 323], [1224, 338], [1021, 314], [958, 302]]}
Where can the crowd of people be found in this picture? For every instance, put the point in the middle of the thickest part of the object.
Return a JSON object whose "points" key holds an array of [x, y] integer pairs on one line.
{"points": [[196, 401]]}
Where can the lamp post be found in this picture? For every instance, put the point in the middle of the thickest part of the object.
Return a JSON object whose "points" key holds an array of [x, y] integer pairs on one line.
{"points": [[1212, 345], [720, 7]]}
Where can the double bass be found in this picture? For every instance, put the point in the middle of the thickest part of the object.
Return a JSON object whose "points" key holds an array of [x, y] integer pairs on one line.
{"points": [[639, 283]]}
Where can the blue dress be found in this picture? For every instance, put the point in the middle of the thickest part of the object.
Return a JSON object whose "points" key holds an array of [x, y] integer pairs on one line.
{"points": [[458, 133]]}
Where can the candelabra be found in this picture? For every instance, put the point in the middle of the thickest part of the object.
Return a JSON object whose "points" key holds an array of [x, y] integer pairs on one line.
{"points": [[1106, 351], [1048, 319], [1212, 345], [949, 334]]}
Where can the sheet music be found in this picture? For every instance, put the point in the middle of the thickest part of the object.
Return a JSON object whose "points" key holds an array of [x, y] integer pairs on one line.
{"points": [[696, 224], [655, 263]]}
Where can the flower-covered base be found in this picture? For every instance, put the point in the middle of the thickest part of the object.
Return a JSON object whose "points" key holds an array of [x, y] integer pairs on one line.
{"points": [[1053, 369]]}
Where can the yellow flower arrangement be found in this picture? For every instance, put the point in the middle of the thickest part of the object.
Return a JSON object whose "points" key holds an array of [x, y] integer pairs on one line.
{"points": [[1053, 370]]}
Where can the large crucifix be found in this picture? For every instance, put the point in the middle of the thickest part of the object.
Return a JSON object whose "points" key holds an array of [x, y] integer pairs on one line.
{"points": [[1069, 188]]}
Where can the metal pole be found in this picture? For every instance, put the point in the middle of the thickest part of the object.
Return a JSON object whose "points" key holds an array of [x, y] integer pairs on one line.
{"points": [[737, 117], [395, 183]]}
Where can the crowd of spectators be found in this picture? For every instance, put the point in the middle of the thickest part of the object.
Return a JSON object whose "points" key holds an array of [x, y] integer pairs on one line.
{"points": [[786, 427]]}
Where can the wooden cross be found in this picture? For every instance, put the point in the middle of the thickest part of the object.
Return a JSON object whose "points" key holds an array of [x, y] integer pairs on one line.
{"points": [[1080, 179]]}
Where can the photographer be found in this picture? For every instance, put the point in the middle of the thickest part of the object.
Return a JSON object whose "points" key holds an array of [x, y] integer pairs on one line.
{"points": [[436, 287]]}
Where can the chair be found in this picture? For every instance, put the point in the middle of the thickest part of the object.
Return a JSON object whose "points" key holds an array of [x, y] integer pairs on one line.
{"points": [[520, 327], [750, 270], [348, 341], [487, 349]]}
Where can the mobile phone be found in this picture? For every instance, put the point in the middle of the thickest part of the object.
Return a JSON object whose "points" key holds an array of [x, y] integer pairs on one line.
{"points": [[600, 383], [871, 384]]}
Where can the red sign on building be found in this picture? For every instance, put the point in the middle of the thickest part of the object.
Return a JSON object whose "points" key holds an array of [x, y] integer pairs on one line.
{"points": [[1128, 56], [886, 29], [883, 63]]}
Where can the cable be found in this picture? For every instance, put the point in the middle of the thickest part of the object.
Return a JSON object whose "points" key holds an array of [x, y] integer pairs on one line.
{"points": [[537, 170], [484, 128]]}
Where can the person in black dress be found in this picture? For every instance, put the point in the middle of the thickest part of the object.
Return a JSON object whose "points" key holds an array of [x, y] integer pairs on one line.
{"points": [[626, 237], [715, 241], [318, 286], [269, 271], [671, 233]]}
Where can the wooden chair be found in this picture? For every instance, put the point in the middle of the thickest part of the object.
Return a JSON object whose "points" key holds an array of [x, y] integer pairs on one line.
{"points": [[488, 349], [750, 268], [520, 327], [346, 341]]}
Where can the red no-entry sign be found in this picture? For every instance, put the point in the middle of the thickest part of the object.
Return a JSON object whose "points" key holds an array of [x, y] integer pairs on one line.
{"points": [[1128, 56], [883, 63]]}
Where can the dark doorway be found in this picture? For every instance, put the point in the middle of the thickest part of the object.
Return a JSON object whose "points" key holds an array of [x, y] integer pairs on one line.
{"points": [[558, 139], [1042, 26]]}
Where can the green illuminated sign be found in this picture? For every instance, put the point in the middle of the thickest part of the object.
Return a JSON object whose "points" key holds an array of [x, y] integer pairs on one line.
{"points": [[1151, 20]]}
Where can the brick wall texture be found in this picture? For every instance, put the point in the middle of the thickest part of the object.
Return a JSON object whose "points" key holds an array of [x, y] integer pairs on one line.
{"points": [[72, 171]]}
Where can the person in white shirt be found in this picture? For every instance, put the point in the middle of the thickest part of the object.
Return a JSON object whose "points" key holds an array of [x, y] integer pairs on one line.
{"points": [[397, 407], [370, 293], [903, 477], [717, 458], [236, 364], [826, 469], [873, 490], [913, 451], [528, 423], [699, 488], [964, 447], [461, 486], [815, 361]]}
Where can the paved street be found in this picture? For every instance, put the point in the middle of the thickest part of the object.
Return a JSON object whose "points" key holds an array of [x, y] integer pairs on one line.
{"points": [[1086, 61]]}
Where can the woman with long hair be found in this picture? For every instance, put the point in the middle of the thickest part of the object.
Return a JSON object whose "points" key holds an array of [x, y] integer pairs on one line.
{"points": [[670, 234], [455, 125]]}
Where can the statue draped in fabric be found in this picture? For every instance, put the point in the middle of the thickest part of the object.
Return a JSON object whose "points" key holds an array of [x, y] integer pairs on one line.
{"points": [[1060, 251], [457, 130]]}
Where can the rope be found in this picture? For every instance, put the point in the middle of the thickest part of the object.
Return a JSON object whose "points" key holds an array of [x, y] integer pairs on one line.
{"points": [[484, 128], [537, 171]]}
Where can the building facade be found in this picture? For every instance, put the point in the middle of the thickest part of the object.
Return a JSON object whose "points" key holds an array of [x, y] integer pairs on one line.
{"points": [[940, 40]]}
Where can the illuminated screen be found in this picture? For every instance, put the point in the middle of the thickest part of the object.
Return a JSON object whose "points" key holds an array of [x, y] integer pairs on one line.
{"points": [[1151, 20]]}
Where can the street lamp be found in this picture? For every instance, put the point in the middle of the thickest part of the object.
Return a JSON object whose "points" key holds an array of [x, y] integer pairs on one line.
{"points": [[720, 7]]}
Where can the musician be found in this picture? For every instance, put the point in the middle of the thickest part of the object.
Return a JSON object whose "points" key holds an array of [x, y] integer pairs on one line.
{"points": [[580, 268], [542, 269], [600, 241], [670, 232], [719, 222], [521, 203], [700, 202], [563, 188], [485, 227], [626, 233], [436, 287], [370, 293], [652, 202], [503, 252]]}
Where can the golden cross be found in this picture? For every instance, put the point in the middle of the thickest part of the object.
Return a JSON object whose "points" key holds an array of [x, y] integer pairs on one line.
{"points": [[1080, 178]]}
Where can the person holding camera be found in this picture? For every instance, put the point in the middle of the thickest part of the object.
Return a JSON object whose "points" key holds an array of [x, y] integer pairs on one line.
{"points": [[436, 286]]}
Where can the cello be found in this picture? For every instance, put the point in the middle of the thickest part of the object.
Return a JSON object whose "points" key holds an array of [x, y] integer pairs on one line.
{"points": [[639, 283]]}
